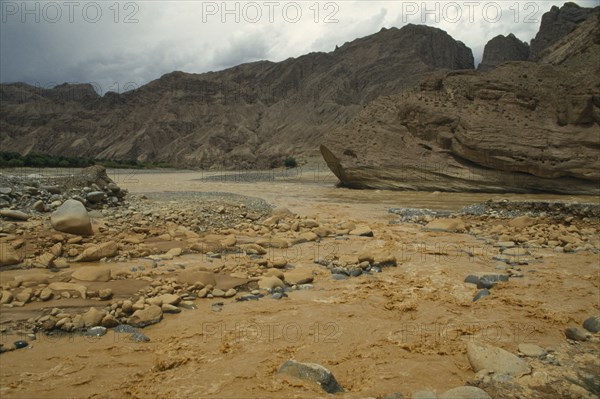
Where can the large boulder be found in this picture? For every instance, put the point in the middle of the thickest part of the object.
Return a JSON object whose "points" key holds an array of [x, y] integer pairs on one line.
{"points": [[72, 217]]}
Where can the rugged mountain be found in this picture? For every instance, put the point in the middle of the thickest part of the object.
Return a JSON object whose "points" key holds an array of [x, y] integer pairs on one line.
{"points": [[502, 49], [556, 24], [251, 115], [520, 127]]}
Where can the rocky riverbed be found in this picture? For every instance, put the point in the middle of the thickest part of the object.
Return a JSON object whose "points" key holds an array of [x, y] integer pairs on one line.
{"points": [[292, 289]]}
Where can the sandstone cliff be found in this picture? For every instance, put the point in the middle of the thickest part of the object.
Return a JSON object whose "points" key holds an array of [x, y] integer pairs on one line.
{"points": [[556, 24], [521, 127]]}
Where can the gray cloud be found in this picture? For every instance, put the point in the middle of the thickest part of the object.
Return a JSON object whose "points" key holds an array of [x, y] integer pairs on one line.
{"points": [[166, 36]]}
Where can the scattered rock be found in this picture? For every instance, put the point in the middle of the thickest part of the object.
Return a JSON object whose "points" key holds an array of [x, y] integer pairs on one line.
{"points": [[166, 308], [8, 256], [481, 294], [170, 299], [531, 350], [39, 206], [280, 263], [25, 295], [105, 294], [312, 372], [46, 294], [270, 282], [592, 324], [61, 287], [6, 297], [144, 317], [97, 252], [15, 215], [465, 393], [92, 273], [299, 276], [109, 321], [522, 221], [446, 225], [97, 331], [495, 359], [363, 231], [93, 317], [576, 334], [21, 344], [424, 395], [95, 196]]}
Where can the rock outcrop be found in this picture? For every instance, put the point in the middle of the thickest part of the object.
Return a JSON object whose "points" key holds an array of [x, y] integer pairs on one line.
{"points": [[521, 127], [252, 115], [502, 49], [556, 24]]}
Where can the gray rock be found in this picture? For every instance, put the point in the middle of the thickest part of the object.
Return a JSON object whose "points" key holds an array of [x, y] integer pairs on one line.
{"points": [[576, 333], [5, 190], [51, 189], [15, 215], [424, 395], [395, 395], [465, 393], [592, 324], [125, 328], [339, 276], [95, 196], [312, 372], [96, 331], [472, 279], [531, 350], [487, 357], [72, 217], [139, 337], [481, 294], [39, 206]]}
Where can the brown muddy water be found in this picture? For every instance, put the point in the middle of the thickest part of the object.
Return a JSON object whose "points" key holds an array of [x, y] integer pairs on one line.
{"points": [[401, 330]]}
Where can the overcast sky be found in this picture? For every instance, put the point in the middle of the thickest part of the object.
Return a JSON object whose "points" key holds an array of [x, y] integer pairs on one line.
{"points": [[121, 45]]}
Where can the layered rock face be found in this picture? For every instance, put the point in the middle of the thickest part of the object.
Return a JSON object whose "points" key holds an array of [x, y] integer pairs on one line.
{"points": [[252, 115], [556, 24], [521, 127], [502, 49]]}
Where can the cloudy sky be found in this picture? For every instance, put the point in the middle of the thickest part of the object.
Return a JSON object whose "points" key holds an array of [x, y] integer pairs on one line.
{"points": [[119, 45]]}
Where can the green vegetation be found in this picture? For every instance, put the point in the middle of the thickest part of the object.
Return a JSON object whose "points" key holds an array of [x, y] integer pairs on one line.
{"points": [[290, 162], [14, 159]]}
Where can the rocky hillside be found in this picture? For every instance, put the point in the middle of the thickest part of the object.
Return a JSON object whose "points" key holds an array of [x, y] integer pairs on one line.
{"points": [[521, 127], [556, 24], [252, 115], [502, 49]]}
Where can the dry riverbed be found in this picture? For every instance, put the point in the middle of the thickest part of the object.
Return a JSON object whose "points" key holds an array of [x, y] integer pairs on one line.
{"points": [[205, 285]]}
